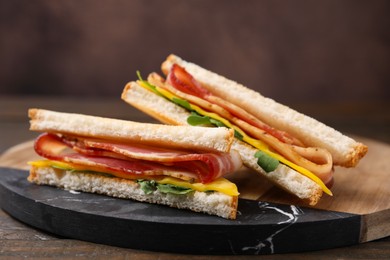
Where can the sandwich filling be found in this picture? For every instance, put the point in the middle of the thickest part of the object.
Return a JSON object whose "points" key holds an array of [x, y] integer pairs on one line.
{"points": [[274, 146], [183, 170]]}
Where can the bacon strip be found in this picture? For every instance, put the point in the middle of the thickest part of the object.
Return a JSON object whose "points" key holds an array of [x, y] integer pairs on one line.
{"points": [[137, 160]]}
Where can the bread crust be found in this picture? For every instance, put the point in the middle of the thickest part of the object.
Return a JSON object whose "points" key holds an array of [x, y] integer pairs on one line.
{"points": [[213, 203], [167, 112], [128, 131], [345, 151]]}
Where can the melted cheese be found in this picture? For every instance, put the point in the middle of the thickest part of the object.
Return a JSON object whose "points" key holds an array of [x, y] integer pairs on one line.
{"points": [[221, 184]]}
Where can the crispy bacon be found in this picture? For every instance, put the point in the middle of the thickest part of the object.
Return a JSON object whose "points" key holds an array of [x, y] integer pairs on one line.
{"points": [[135, 159]]}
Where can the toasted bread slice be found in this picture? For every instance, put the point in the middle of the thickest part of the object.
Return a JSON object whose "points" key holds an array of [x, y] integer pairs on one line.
{"points": [[213, 203], [196, 138], [345, 151]]}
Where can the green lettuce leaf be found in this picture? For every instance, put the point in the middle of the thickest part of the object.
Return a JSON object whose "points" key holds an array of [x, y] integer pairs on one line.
{"points": [[196, 119], [182, 103], [217, 122], [266, 162], [147, 186], [173, 189], [238, 135], [150, 86]]}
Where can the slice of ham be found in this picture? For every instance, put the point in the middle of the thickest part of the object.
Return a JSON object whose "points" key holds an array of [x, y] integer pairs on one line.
{"points": [[183, 81], [137, 160], [185, 86]]}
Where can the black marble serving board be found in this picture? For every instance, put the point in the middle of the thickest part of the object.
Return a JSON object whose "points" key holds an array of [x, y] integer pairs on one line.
{"points": [[260, 227]]}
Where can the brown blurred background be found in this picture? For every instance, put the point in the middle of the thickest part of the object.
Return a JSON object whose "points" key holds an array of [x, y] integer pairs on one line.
{"points": [[292, 51]]}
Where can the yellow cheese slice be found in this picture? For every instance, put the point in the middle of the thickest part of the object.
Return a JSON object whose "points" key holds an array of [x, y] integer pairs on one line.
{"points": [[221, 184]]}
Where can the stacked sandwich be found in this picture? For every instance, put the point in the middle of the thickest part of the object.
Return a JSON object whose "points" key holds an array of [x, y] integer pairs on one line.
{"points": [[178, 166]]}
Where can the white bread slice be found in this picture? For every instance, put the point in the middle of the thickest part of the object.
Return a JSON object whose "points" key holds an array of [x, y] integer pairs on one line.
{"points": [[345, 151], [128, 131], [169, 113], [213, 203]]}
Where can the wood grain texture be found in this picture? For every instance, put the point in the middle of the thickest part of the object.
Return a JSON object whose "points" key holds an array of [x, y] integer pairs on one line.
{"points": [[364, 190]]}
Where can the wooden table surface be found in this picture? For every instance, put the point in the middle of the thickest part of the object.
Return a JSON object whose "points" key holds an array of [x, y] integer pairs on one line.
{"points": [[17, 240]]}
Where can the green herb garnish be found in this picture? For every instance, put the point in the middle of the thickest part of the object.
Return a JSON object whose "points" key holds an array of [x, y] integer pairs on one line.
{"points": [[150, 86], [173, 189], [182, 103], [238, 135], [266, 162], [217, 122], [196, 119], [149, 186]]}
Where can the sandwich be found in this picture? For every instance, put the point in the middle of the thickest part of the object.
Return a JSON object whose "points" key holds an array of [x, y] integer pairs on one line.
{"points": [[177, 166], [294, 151]]}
